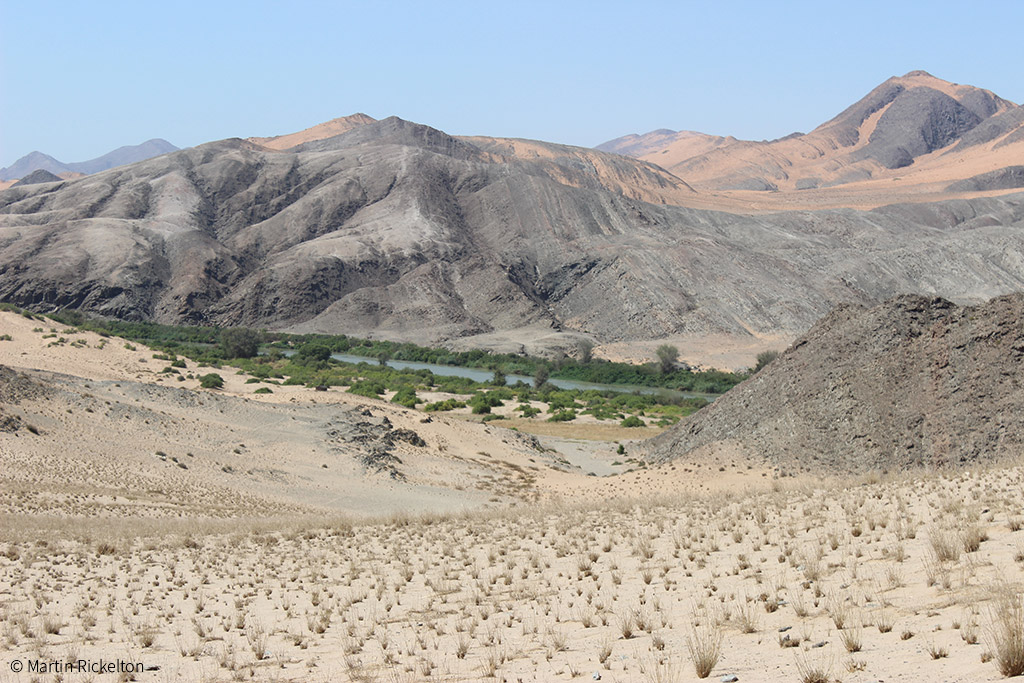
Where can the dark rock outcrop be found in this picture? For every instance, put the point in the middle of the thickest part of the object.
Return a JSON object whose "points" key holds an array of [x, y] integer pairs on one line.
{"points": [[374, 439]]}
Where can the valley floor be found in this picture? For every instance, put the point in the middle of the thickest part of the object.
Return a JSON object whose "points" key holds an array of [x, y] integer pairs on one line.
{"points": [[221, 535]]}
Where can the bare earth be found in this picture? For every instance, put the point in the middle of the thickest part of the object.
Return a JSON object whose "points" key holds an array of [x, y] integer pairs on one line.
{"points": [[235, 555]]}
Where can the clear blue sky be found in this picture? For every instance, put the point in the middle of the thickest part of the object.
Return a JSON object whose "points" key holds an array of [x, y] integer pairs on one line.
{"points": [[78, 79]]}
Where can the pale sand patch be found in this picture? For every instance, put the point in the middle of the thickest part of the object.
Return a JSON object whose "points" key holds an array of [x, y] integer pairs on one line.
{"points": [[717, 351]]}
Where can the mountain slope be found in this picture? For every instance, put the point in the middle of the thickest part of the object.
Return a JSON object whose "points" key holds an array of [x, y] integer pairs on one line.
{"points": [[915, 381], [398, 230], [122, 155]]}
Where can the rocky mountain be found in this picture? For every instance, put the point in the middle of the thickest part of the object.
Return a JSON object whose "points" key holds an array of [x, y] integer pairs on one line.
{"points": [[119, 157], [397, 230], [911, 132], [915, 381]]}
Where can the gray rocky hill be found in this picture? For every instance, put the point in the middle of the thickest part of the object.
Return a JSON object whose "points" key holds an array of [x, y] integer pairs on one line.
{"points": [[913, 382]]}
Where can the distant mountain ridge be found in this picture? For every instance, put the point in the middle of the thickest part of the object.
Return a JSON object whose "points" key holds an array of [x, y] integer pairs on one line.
{"points": [[128, 154], [913, 130]]}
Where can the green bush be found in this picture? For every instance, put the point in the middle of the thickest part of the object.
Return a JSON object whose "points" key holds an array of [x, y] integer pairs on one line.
{"points": [[312, 354], [562, 400], [211, 381], [563, 416], [368, 388], [764, 358], [406, 396], [239, 343], [481, 403], [263, 390], [528, 410], [448, 404], [633, 421]]}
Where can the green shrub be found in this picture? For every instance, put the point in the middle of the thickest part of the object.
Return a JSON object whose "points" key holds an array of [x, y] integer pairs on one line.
{"points": [[563, 416], [481, 403], [239, 342], [406, 396], [527, 410], [211, 381], [368, 388], [633, 421], [764, 358], [263, 390], [312, 354], [562, 400], [447, 404]]}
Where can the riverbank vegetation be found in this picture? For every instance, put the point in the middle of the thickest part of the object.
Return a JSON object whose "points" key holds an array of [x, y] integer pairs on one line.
{"points": [[217, 344], [306, 360]]}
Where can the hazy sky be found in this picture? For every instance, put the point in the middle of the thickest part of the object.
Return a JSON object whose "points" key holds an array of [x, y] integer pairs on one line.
{"points": [[78, 79]]}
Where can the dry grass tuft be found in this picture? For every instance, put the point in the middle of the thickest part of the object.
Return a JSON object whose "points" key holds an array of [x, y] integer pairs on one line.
{"points": [[704, 643], [1007, 633]]}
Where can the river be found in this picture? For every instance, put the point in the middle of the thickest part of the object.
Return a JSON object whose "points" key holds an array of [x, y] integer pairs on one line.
{"points": [[479, 375]]}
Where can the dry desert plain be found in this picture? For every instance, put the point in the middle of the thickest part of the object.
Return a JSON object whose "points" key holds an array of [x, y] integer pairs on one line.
{"points": [[220, 535]]}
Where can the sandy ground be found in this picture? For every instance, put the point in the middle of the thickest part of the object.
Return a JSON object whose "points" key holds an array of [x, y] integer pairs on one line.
{"points": [[495, 558]]}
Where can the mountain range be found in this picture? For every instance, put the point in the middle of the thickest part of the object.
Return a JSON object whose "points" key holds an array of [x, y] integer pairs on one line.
{"points": [[36, 161], [397, 230], [912, 135]]}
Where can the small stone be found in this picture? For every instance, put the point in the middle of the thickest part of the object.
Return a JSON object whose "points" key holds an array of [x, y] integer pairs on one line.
{"points": [[819, 644], [784, 629], [596, 676], [730, 678]]}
